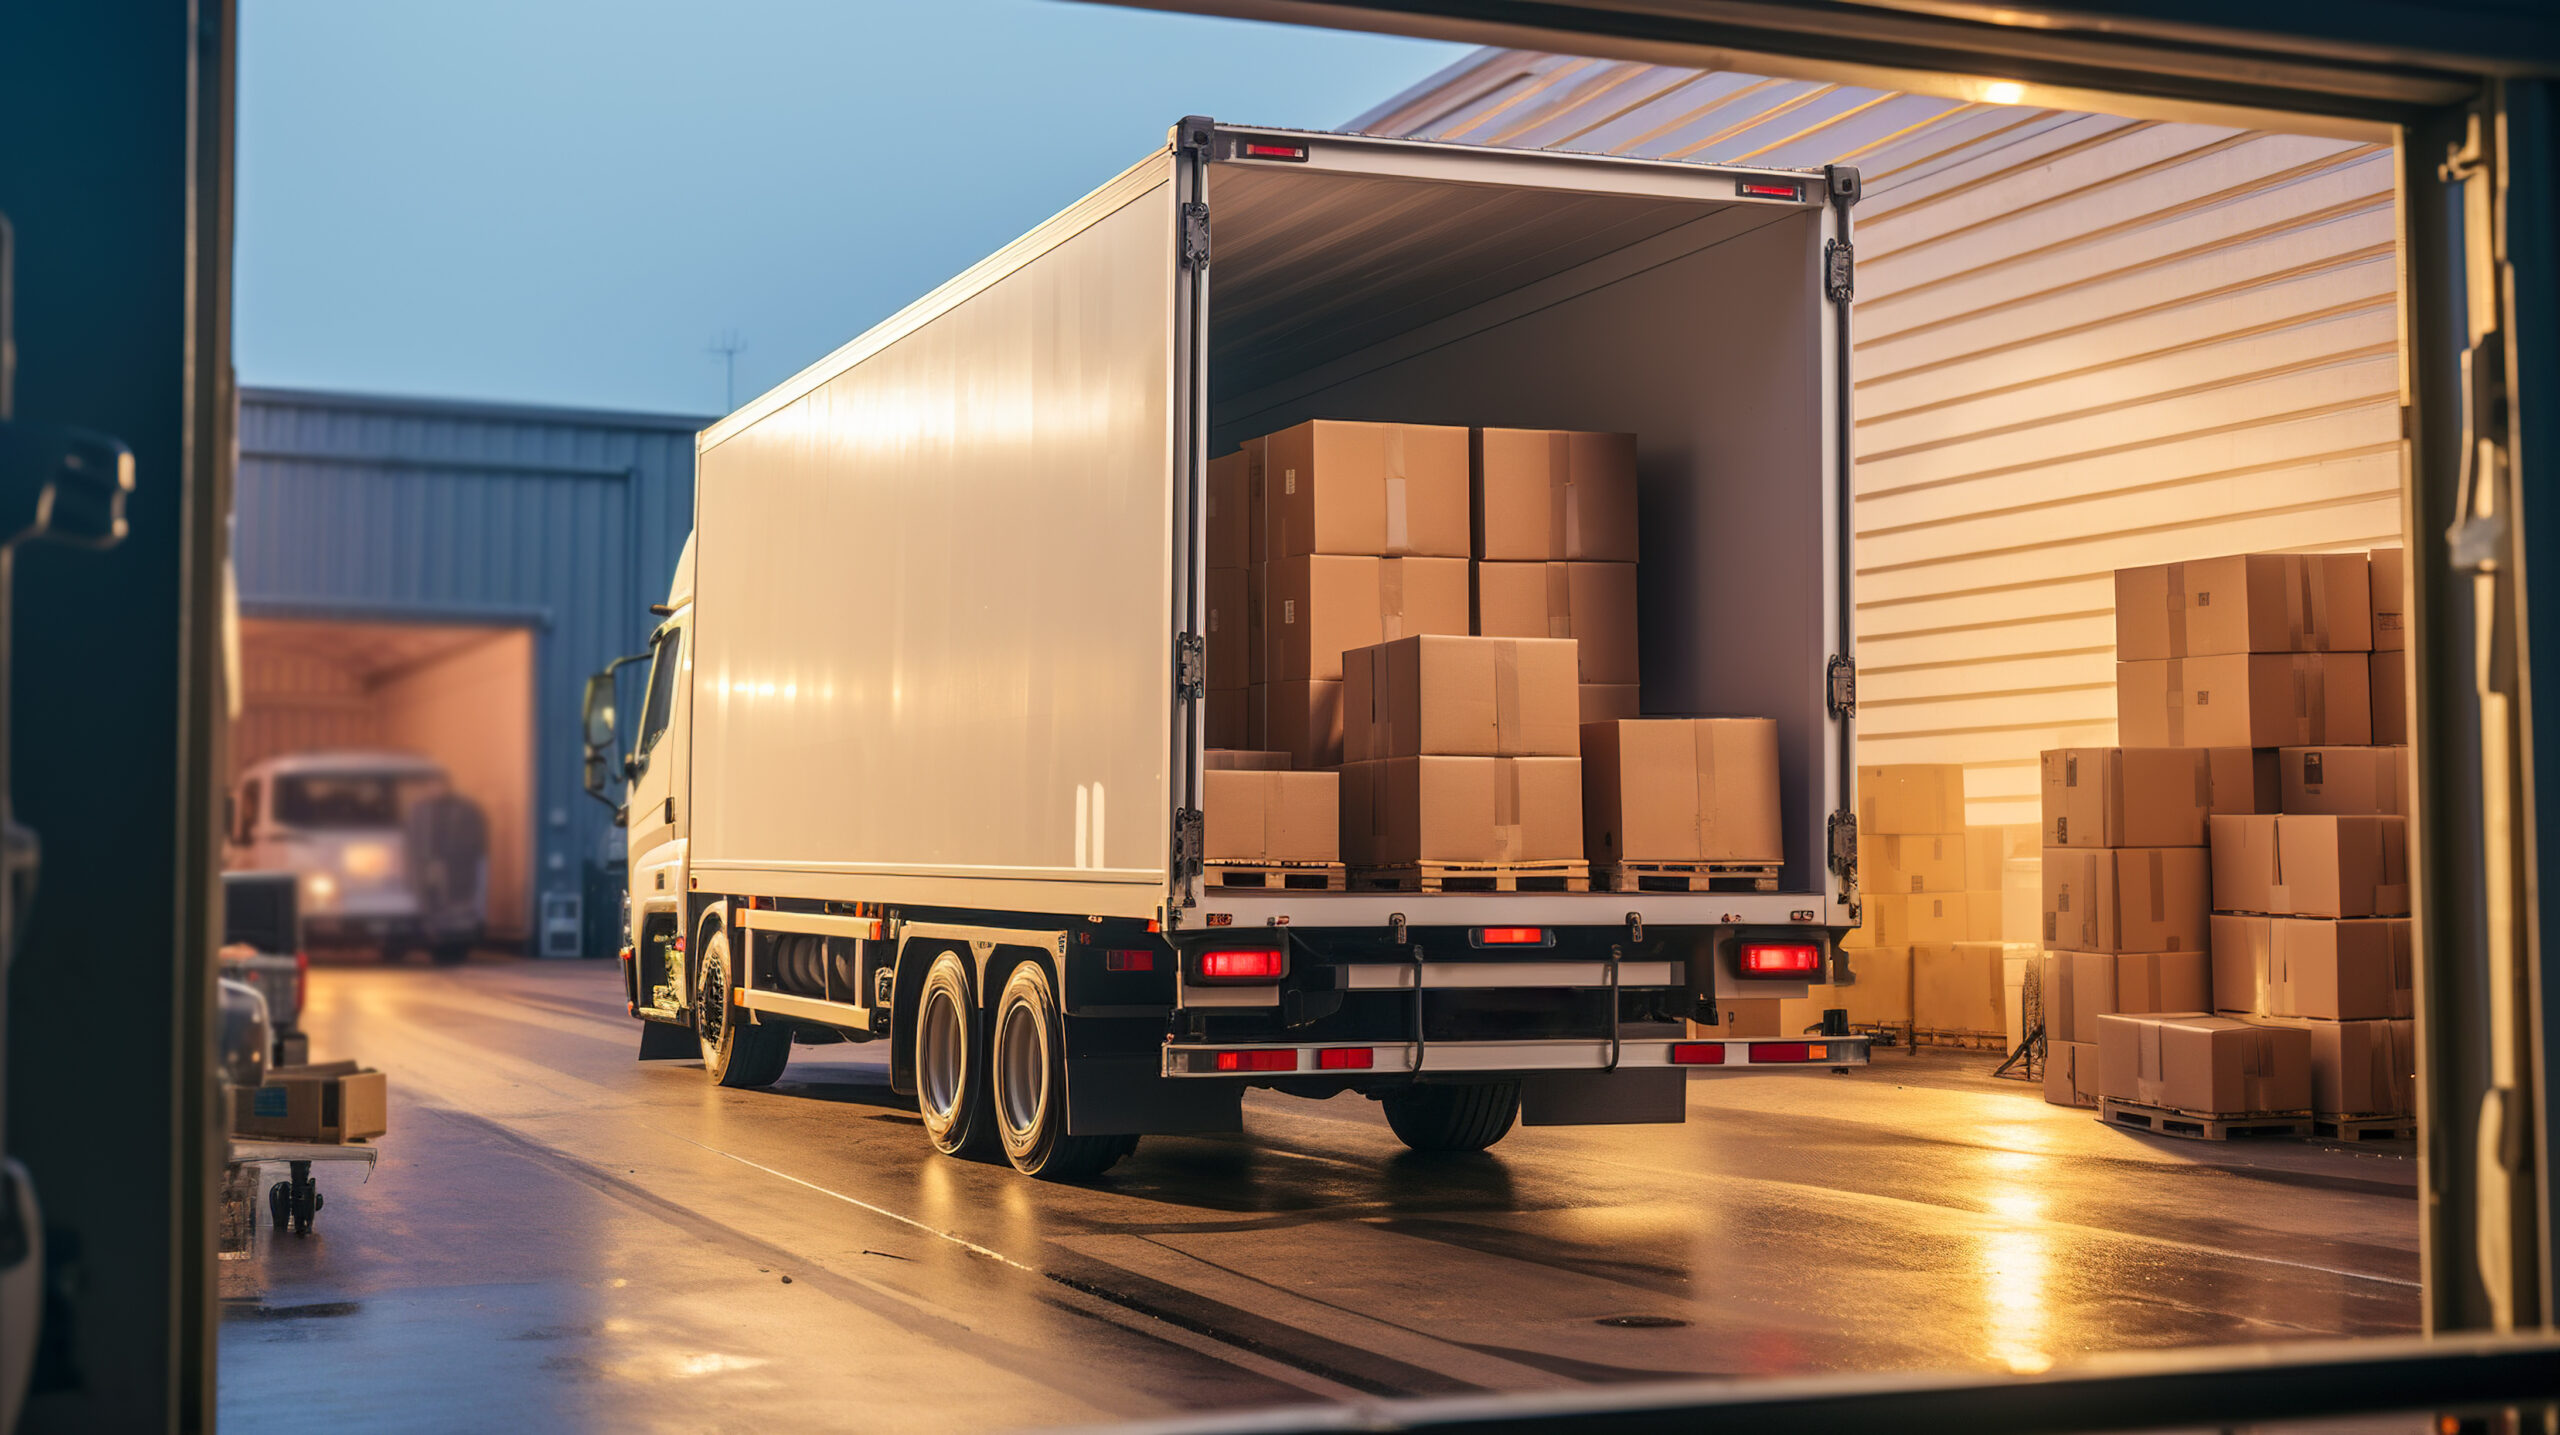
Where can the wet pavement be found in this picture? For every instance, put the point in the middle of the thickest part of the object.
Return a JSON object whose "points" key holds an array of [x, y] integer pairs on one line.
{"points": [[561, 1237]]}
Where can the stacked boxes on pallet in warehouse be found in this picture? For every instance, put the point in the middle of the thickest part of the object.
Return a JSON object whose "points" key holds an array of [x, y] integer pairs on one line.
{"points": [[2266, 656]]}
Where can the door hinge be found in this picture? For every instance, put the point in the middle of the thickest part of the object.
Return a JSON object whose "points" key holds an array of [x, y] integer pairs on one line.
{"points": [[1844, 847], [1840, 270], [1843, 675], [671, 811], [1195, 234], [1190, 667], [1186, 842]]}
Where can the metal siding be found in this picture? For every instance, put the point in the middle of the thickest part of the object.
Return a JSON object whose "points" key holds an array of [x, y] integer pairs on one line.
{"points": [[2082, 342], [568, 521]]}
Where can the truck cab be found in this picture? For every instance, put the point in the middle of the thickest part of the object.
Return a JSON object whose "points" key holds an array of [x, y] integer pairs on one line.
{"points": [[384, 852]]}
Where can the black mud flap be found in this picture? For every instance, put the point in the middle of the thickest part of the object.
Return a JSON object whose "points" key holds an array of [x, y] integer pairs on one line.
{"points": [[1130, 1096], [1605, 1098], [665, 1041]]}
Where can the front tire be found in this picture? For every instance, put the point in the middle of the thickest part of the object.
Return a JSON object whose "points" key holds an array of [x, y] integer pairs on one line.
{"points": [[951, 1061], [1470, 1117], [1029, 1088], [736, 1053]]}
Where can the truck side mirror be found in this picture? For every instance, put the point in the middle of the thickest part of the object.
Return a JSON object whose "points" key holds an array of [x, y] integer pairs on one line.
{"points": [[599, 711], [595, 787]]}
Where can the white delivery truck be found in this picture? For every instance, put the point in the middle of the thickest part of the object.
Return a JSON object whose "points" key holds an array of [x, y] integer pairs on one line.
{"points": [[921, 750]]}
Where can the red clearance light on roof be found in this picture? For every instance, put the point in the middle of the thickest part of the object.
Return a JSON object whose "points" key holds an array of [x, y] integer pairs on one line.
{"points": [[1762, 189], [1128, 961], [1511, 936], [1780, 959], [1265, 149], [1245, 965], [1697, 1053], [1346, 1058], [1257, 1061]]}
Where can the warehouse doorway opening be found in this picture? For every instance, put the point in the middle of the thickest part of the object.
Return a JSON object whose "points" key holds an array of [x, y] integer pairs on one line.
{"points": [[391, 765]]}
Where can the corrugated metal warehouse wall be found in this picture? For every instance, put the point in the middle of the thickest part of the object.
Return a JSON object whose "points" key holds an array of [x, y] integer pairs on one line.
{"points": [[564, 523], [2082, 343]]}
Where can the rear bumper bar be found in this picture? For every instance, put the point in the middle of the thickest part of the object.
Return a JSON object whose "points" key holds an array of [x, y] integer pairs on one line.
{"points": [[1214, 1060]]}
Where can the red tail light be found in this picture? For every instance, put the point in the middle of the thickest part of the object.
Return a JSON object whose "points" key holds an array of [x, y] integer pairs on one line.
{"points": [[1128, 961], [1257, 1061], [1244, 964], [1511, 936], [1781, 959], [1697, 1053], [1346, 1058], [1769, 1051]]}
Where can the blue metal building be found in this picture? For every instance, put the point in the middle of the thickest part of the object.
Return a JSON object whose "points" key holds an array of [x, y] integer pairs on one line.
{"points": [[562, 523]]}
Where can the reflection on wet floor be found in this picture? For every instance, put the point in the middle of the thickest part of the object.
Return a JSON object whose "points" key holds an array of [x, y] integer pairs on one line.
{"points": [[561, 1237]]}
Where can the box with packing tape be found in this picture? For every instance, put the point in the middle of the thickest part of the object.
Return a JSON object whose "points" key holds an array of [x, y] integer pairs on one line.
{"points": [[1461, 697], [2070, 1072], [1910, 797], [2361, 1068], [1409, 811], [1906, 862], [1552, 494], [1592, 603], [2148, 796], [2125, 899], [2252, 700], [1681, 790], [327, 1102], [1303, 720], [2311, 866], [2357, 969], [2207, 1065], [2247, 603], [2080, 987], [1317, 607], [1253, 816], [1904, 919], [1365, 489], [2343, 781]]}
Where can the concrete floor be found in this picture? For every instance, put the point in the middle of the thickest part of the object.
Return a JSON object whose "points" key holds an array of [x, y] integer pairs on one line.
{"points": [[560, 1237]]}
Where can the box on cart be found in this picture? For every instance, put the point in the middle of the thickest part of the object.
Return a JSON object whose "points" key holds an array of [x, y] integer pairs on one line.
{"points": [[328, 1102]]}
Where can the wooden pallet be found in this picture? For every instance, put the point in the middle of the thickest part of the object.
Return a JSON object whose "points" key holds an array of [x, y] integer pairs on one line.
{"points": [[2202, 1126], [2402, 1127], [1685, 877], [1274, 876], [1966, 1040], [1476, 877]]}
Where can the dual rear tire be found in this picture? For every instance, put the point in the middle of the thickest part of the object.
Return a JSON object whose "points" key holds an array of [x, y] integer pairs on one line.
{"points": [[1453, 1118], [998, 1082]]}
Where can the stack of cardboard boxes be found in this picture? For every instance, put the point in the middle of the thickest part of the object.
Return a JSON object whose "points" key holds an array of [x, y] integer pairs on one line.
{"points": [[1462, 751], [1555, 551]]}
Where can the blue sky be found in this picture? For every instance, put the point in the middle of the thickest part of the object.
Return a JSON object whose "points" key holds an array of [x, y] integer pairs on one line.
{"points": [[565, 201]]}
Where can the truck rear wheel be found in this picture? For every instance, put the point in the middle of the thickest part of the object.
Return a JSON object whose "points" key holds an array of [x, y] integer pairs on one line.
{"points": [[735, 1052], [1030, 1086], [1453, 1118], [951, 1061]]}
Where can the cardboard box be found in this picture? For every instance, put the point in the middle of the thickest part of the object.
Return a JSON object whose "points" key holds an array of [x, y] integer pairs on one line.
{"points": [[1403, 810], [1910, 797], [1880, 992], [2022, 899], [2211, 1065], [1958, 986], [2391, 697], [1318, 607], [1896, 919], [2070, 1072], [1548, 494], [2245, 863], [1592, 603], [1257, 622], [2362, 1068], [1228, 721], [1609, 702], [1754, 1016], [2248, 603], [2351, 970], [1365, 490], [2125, 899], [1243, 759], [2387, 580], [2246, 700], [1228, 509], [1262, 816], [2343, 866], [1982, 917], [1906, 862], [1303, 720], [2241, 950], [1681, 790], [332, 1101], [2088, 985], [1461, 697], [1229, 641], [2126, 796], [1989, 850], [2243, 779], [2343, 781]]}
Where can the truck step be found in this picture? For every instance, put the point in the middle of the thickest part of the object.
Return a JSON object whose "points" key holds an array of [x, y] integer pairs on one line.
{"points": [[2200, 1125], [1476, 877], [1274, 876], [2401, 1127], [1686, 876]]}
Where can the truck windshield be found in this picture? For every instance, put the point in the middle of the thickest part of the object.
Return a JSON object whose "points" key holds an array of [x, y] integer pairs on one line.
{"points": [[349, 799]]}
